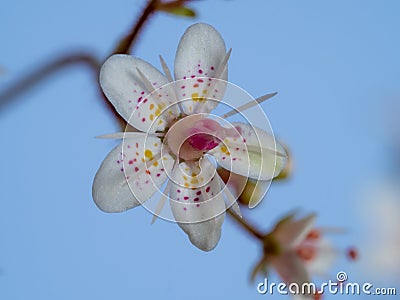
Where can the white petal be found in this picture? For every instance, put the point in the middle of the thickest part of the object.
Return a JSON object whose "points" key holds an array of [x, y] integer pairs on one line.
{"points": [[197, 203], [323, 260], [130, 174], [254, 154], [125, 79], [199, 57], [292, 270], [289, 232]]}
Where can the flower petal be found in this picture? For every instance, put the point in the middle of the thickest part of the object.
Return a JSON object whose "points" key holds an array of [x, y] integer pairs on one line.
{"points": [[292, 270], [197, 203], [325, 255], [200, 56], [254, 153], [125, 81], [290, 233], [130, 174]]}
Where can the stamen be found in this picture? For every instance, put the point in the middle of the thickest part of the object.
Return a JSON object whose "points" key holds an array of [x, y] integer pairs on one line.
{"points": [[249, 105], [145, 81], [352, 253], [164, 196], [314, 234], [230, 199], [259, 149], [166, 69], [127, 135], [223, 64], [306, 253], [170, 79]]}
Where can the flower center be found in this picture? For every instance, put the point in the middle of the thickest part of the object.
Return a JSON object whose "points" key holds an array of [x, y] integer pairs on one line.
{"points": [[189, 138], [306, 252]]}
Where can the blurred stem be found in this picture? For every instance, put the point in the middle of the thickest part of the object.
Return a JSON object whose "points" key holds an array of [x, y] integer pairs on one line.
{"points": [[47, 70], [246, 225], [125, 45]]}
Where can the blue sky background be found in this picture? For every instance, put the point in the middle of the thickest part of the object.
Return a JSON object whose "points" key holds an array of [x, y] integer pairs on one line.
{"points": [[336, 66]]}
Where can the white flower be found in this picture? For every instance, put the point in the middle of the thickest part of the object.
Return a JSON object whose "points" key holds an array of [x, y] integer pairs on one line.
{"points": [[177, 136], [296, 249]]}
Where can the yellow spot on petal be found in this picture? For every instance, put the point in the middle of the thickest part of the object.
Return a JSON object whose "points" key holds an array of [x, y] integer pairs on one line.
{"points": [[186, 184], [196, 97], [151, 106], [151, 117], [204, 91], [148, 154], [160, 107], [155, 163]]}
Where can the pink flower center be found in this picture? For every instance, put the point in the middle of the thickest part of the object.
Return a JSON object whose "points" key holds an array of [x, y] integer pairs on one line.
{"points": [[192, 136], [205, 135]]}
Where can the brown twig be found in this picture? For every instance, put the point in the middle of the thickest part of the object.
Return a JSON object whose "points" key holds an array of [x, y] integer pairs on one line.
{"points": [[125, 45], [45, 71], [246, 225]]}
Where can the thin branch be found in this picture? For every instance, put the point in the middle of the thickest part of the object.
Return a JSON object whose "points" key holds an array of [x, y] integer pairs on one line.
{"points": [[245, 224], [125, 45], [47, 70]]}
